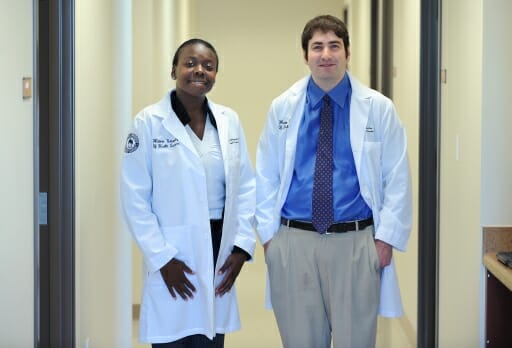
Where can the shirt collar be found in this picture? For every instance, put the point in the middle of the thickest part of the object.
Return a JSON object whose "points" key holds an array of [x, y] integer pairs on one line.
{"points": [[182, 113], [338, 94]]}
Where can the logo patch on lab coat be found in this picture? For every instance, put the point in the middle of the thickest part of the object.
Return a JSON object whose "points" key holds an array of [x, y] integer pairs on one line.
{"points": [[132, 143]]}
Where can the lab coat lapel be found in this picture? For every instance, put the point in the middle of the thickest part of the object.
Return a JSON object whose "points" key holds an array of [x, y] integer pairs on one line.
{"points": [[292, 115], [223, 131], [173, 125], [360, 104], [292, 132]]}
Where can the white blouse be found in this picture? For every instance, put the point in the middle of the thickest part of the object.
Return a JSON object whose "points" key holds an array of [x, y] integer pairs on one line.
{"points": [[211, 157]]}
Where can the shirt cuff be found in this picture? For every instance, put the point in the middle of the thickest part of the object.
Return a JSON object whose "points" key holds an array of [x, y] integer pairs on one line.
{"points": [[238, 250]]}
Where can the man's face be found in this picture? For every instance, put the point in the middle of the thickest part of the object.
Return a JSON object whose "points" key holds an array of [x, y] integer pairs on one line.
{"points": [[327, 59]]}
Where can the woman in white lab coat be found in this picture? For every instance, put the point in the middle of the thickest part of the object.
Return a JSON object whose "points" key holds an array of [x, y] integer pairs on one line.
{"points": [[188, 196]]}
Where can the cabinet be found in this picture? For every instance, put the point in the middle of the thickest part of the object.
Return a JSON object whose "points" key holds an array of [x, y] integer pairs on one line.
{"points": [[498, 302], [498, 328]]}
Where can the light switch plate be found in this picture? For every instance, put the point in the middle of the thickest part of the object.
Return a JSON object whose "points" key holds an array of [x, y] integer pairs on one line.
{"points": [[27, 87]]}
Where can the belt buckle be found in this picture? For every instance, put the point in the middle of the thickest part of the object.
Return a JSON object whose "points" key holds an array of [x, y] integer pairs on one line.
{"points": [[357, 225], [327, 232]]}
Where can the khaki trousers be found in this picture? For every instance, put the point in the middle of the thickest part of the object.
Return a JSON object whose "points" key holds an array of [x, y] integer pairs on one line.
{"points": [[323, 287]]}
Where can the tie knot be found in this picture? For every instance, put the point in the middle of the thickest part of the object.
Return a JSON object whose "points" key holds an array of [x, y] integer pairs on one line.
{"points": [[327, 100]]}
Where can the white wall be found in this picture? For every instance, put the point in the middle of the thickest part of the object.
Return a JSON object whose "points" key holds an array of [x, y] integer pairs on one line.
{"points": [[159, 26], [460, 237], [103, 110], [16, 177], [496, 114], [359, 28]]}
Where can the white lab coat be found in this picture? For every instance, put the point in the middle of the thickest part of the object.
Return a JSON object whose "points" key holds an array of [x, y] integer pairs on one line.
{"points": [[164, 200], [379, 146]]}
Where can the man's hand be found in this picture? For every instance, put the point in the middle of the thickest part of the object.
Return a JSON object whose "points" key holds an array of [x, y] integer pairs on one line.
{"points": [[176, 280], [266, 245], [231, 268], [384, 251]]}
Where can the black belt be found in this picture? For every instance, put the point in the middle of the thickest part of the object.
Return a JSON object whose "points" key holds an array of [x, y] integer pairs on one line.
{"points": [[340, 227]]}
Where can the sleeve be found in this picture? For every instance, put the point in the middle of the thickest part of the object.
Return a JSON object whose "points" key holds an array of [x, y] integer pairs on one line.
{"points": [[267, 179], [136, 197], [395, 213], [238, 250]]}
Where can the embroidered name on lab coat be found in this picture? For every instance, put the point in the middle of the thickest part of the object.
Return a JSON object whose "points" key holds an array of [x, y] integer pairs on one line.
{"points": [[165, 143], [234, 140], [283, 124], [370, 131]]}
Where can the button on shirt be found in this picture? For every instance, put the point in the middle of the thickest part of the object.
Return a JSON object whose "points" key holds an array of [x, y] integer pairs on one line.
{"points": [[348, 202]]}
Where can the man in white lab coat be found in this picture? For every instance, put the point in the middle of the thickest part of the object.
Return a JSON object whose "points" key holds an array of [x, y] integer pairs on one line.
{"points": [[329, 282]]}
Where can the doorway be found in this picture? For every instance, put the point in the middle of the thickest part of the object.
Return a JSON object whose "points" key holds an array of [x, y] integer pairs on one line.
{"points": [[57, 253]]}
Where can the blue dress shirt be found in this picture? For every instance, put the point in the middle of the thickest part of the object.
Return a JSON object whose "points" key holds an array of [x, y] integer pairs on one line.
{"points": [[348, 202]]}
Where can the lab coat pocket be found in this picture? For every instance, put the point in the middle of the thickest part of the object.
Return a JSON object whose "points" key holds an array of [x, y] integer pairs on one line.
{"points": [[373, 257], [180, 237], [269, 253], [278, 250]]}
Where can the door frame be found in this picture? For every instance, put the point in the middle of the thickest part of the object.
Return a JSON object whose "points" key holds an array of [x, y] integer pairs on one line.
{"points": [[54, 173], [429, 156]]}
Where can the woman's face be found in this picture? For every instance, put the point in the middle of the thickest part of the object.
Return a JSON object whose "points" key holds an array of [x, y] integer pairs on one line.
{"points": [[196, 70]]}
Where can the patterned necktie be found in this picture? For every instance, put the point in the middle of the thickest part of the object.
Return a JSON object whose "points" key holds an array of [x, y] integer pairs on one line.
{"points": [[323, 213]]}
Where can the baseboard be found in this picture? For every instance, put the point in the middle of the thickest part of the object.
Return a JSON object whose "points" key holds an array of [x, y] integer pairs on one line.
{"points": [[135, 311]]}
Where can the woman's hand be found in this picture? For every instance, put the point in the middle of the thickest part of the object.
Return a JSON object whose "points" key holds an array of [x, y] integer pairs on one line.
{"points": [[174, 275], [231, 268]]}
